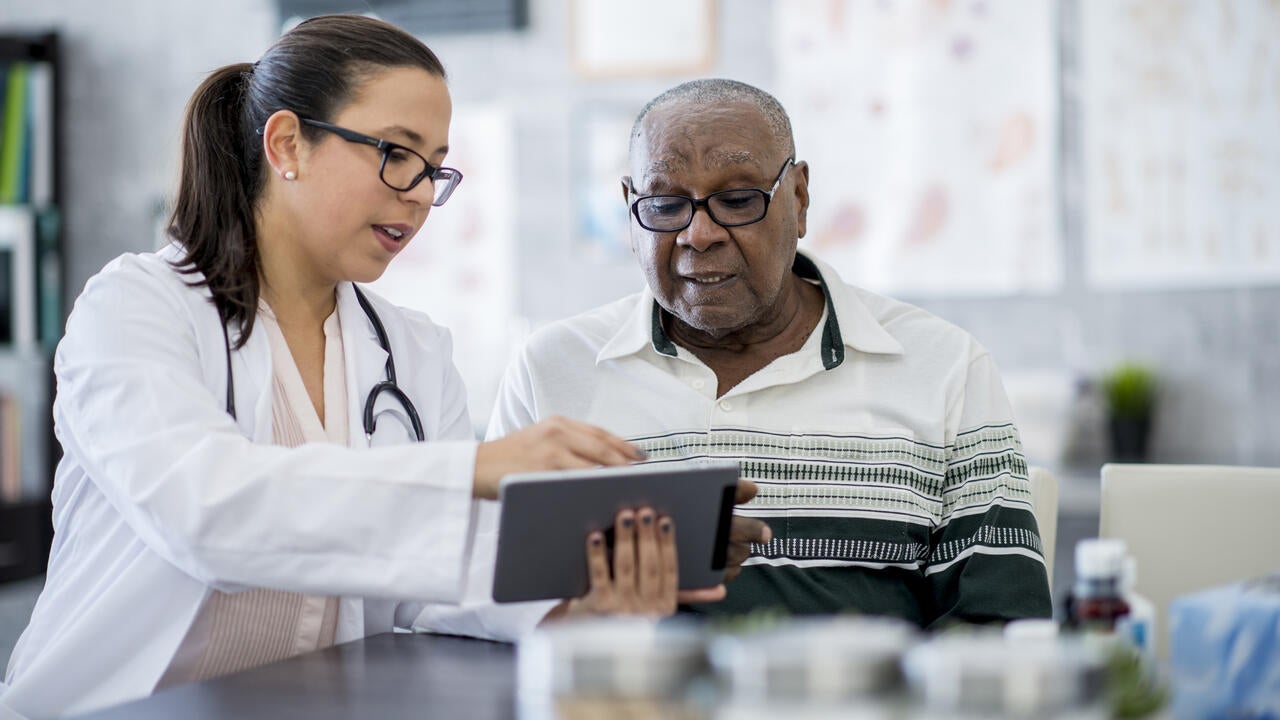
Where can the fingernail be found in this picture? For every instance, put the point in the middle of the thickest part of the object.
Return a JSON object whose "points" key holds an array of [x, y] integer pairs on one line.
{"points": [[627, 522], [666, 527], [596, 540], [768, 533], [647, 519]]}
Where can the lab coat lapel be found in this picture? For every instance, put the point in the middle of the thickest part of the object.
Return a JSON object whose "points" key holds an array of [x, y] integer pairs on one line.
{"points": [[251, 366], [365, 358], [366, 363]]}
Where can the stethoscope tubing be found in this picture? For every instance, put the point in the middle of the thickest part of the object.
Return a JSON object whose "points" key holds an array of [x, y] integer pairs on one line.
{"points": [[389, 386]]}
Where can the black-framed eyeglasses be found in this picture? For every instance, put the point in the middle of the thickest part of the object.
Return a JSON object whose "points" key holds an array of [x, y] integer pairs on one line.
{"points": [[728, 208], [402, 168]]}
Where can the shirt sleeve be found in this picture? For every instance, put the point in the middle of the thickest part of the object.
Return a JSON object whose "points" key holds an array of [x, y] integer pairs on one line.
{"points": [[515, 407], [986, 562], [135, 412]]}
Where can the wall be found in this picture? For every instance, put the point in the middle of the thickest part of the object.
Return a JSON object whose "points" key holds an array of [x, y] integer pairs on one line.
{"points": [[129, 68], [1218, 350]]}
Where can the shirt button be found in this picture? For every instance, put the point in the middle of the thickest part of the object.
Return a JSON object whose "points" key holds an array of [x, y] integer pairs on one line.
{"points": [[698, 384], [726, 406]]}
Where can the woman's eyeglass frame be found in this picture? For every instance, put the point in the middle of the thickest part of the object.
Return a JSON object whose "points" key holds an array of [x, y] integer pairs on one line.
{"points": [[451, 176]]}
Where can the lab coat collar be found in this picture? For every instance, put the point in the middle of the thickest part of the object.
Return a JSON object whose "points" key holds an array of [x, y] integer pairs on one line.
{"points": [[850, 323], [250, 364]]}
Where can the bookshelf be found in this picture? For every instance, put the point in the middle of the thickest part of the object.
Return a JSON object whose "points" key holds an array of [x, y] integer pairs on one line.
{"points": [[31, 314]]}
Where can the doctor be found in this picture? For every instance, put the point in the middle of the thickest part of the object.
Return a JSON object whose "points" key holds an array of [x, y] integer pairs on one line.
{"points": [[243, 475]]}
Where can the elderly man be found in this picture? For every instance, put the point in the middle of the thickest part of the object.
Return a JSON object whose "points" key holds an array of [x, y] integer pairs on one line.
{"points": [[889, 468]]}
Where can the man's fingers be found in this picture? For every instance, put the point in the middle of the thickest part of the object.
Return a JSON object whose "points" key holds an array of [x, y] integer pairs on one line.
{"points": [[738, 553], [745, 492], [749, 530], [742, 533], [703, 595]]}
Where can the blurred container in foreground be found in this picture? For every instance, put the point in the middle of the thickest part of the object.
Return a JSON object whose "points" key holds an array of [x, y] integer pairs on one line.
{"points": [[609, 667], [983, 674], [845, 667]]}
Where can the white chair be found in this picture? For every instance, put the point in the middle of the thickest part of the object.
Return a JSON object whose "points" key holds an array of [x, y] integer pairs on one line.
{"points": [[1192, 527], [1044, 504]]}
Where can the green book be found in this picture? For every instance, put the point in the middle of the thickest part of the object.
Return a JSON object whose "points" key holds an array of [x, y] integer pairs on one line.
{"points": [[14, 154]]}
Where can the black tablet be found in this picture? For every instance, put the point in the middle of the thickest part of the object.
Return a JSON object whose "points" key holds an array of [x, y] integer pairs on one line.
{"points": [[545, 519]]}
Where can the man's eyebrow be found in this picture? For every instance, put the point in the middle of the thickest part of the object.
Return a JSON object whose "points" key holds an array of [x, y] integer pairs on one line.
{"points": [[664, 166], [745, 160]]}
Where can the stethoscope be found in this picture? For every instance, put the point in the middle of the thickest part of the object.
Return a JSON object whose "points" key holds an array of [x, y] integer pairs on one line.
{"points": [[388, 386]]}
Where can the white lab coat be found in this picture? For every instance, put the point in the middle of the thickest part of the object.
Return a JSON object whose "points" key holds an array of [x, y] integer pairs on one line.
{"points": [[161, 497]]}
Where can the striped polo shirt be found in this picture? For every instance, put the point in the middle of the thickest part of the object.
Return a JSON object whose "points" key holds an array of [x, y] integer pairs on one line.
{"points": [[889, 466]]}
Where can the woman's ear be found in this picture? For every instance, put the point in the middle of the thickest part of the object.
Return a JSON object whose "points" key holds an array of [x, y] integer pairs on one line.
{"points": [[281, 141]]}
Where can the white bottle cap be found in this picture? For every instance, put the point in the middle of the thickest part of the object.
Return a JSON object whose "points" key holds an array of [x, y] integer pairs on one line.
{"points": [[1100, 557]]}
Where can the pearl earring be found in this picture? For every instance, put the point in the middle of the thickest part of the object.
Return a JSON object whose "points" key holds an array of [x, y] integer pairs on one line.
{"points": [[290, 175]]}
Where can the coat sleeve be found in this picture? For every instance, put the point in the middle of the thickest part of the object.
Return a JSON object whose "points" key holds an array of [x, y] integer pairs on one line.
{"points": [[986, 562], [477, 615], [133, 410]]}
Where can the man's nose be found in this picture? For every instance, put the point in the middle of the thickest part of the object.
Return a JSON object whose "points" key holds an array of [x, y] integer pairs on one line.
{"points": [[703, 232]]}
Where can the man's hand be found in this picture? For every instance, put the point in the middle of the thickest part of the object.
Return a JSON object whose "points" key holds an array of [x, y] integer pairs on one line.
{"points": [[743, 532]]}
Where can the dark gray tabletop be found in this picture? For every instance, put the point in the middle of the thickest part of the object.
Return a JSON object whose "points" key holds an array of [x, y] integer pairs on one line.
{"points": [[383, 676]]}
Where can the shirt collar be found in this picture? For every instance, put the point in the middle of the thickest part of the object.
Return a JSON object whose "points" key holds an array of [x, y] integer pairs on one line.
{"points": [[849, 324]]}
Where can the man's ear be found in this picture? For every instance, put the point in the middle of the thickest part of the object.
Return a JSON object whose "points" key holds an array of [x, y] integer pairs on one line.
{"points": [[281, 140], [801, 173], [626, 199]]}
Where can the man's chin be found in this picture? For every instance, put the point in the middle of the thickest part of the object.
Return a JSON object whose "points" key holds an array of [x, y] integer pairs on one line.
{"points": [[712, 322]]}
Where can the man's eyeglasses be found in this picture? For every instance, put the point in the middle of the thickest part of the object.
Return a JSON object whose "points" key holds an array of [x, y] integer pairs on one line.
{"points": [[728, 208], [402, 168]]}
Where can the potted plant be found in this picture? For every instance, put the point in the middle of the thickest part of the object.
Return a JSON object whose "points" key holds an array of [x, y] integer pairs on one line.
{"points": [[1130, 390]]}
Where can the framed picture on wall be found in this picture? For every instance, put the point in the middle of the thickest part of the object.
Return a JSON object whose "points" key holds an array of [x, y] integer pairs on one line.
{"points": [[655, 37]]}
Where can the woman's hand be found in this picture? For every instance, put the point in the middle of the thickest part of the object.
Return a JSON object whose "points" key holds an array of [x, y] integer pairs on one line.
{"points": [[645, 575], [556, 443]]}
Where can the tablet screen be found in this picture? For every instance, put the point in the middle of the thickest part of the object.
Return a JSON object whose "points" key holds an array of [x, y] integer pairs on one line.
{"points": [[546, 517]]}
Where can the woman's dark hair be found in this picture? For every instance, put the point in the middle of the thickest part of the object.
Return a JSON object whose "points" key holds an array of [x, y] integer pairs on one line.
{"points": [[313, 70]]}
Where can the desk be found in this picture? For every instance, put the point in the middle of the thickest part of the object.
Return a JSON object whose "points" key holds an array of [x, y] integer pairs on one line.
{"points": [[395, 675]]}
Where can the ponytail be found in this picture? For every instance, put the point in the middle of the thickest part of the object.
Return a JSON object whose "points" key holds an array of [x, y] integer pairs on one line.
{"points": [[213, 216], [313, 70]]}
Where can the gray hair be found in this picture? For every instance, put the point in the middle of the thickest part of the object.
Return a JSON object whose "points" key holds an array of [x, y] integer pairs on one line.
{"points": [[718, 91]]}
